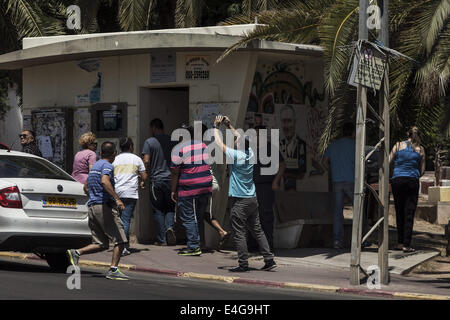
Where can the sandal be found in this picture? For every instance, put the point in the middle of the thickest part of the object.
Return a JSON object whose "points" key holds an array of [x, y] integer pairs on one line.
{"points": [[223, 240], [408, 250]]}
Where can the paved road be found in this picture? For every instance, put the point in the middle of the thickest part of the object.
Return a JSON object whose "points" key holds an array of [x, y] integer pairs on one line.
{"points": [[33, 280]]}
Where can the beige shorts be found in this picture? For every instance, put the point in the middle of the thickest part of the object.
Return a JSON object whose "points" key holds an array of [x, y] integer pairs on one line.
{"points": [[106, 225]]}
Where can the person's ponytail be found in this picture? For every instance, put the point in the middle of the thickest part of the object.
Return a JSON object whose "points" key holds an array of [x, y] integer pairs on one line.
{"points": [[414, 135]]}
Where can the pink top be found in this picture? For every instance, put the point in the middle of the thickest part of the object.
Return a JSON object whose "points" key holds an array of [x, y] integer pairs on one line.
{"points": [[83, 159]]}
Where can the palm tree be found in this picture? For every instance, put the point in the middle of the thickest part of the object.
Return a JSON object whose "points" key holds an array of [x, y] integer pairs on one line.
{"points": [[19, 19], [26, 18], [418, 29]]}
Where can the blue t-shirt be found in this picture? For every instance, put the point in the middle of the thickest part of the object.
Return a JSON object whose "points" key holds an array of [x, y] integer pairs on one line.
{"points": [[241, 177], [97, 194], [342, 158]]}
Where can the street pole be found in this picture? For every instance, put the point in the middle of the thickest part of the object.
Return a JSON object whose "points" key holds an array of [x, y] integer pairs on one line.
{"points": [[359, 159], [383, 183]]}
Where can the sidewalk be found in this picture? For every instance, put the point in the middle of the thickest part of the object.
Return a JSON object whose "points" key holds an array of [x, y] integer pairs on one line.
{"points": [[320, 269]]}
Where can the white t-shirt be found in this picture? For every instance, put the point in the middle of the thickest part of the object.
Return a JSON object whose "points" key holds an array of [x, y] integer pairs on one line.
{"points": [[127, 167]]}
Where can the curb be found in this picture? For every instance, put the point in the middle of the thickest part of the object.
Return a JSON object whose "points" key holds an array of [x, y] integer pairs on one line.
{"points": [[238, 280]]}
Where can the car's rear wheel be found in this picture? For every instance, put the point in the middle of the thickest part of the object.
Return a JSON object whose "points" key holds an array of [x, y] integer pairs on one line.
{"points": [[58, 262]]}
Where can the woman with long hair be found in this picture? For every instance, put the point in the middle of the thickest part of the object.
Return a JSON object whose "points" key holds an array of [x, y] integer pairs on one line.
{"points": [[408, 159]]}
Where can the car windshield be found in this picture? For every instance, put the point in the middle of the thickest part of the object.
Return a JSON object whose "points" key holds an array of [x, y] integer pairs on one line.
{"points": [[28, 167]]}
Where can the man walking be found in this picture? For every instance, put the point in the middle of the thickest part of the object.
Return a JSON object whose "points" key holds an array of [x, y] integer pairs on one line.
{"points": [[341, 156], [244, 210], [128, 169], [191, 189], [28, 142], [156, 152], [104, 206]]}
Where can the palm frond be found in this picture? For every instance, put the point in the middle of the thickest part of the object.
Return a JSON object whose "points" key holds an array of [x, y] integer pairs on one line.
{"points": [[281, 25], [433, 20], [432, 77], [30, 21], [251, 7], [133, 14], [338, 28], [429, 118], [188, 13]]}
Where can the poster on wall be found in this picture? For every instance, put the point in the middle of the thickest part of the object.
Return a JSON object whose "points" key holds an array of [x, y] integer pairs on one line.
{"points": [[197, 67], [51, 133], [82, 100], [206, 113], [284, 97], [95, 95], [163, 68]]}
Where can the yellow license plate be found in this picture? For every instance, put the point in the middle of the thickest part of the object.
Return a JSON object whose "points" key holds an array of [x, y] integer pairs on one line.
{"points": [[60, 202]]}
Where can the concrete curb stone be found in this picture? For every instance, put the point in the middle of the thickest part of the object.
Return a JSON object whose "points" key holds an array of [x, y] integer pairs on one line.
{"points": [[238, 280]]}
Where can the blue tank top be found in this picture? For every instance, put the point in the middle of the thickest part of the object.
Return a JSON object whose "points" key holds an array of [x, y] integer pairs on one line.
{"points": [[407, 163]]}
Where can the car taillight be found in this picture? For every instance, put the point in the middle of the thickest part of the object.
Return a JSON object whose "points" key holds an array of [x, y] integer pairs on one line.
{"points": [[10, 198]]}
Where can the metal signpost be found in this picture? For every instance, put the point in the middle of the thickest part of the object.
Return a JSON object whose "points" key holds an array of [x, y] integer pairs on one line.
{"points": [[371, 72], [383, 239]]}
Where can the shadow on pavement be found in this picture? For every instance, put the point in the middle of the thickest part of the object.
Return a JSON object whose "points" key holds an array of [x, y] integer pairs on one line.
{"points": [[15, 266]]}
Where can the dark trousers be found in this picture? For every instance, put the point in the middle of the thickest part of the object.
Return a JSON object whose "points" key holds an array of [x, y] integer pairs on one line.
{"points": [[406, 192], [245, 217], [266, 199], [160, 196], [163, 208]]}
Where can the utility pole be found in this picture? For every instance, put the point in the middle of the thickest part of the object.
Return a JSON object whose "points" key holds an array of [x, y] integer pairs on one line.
{"points": [[383, 183], [359, 159]]}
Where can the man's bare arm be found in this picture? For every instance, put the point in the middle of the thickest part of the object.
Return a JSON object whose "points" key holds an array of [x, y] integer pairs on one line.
{"points": [[217, 136], [227, 123], [86, 188], [106, 183], [144, 176], [146, 160]]}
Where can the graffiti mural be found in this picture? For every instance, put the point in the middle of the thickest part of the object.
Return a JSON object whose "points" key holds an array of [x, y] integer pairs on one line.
{"points": [[284, 97]]}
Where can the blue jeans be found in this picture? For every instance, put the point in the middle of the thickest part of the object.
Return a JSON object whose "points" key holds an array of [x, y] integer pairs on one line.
{"points": [[127, 214], [163, 222], [340, 190], [192, 211]]}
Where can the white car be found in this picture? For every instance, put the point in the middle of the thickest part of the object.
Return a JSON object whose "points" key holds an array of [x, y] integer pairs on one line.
{"points": [[42, 209]]}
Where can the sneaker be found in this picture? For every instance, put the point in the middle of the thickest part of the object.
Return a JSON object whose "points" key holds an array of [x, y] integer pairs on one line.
{"points": [[190, 252], [240, 269], [269, 265], [73, 257], [337, 245], [126, 252], [116, 275], [170, 237]]}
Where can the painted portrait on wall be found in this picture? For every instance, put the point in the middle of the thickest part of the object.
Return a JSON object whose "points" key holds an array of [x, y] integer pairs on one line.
{"points": [[283, 97]]}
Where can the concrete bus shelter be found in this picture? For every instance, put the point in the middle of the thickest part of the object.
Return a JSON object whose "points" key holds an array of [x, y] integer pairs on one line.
{"points": [[114, 84]]}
